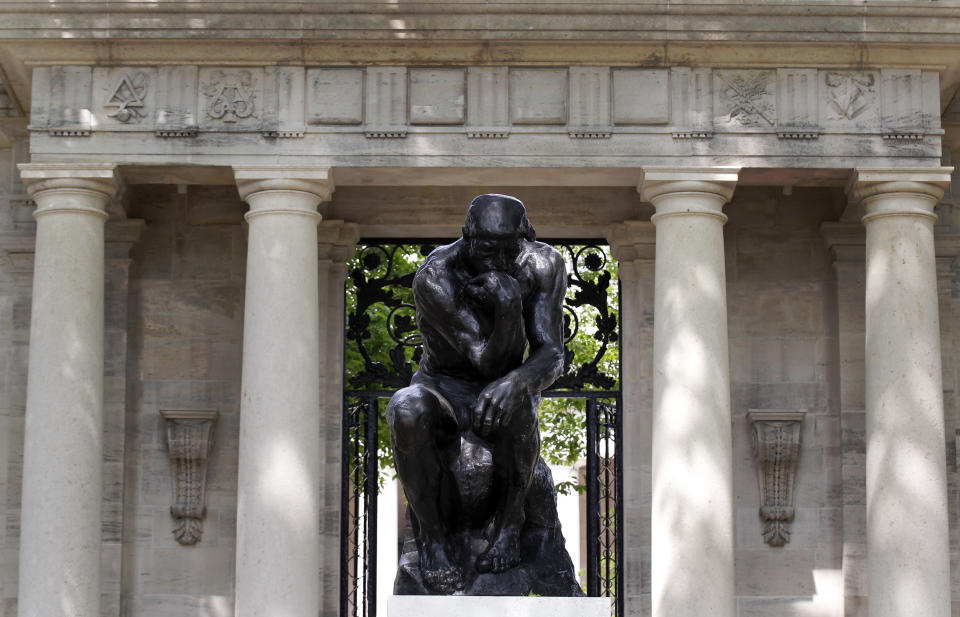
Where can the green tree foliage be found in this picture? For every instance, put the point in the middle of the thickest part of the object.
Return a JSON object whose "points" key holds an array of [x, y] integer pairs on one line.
{"points": [[382, 346]]}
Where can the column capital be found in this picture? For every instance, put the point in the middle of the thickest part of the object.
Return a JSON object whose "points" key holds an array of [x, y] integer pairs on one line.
{"points": [[632, 240], [846, 240], [658, 181], [924, 185], [252, 179], [96, 182], [337, 240]]}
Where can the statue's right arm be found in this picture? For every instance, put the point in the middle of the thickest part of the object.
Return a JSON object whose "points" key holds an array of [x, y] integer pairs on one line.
{"points": [[440, 305]]}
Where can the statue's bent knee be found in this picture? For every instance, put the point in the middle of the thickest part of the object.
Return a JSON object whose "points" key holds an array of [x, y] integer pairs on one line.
{"points": [[411, 414]]}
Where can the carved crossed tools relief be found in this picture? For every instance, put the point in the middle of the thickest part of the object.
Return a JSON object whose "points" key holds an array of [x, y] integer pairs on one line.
{"points": [[850, 94], [230, 96], [748, 97], [127, 100]]}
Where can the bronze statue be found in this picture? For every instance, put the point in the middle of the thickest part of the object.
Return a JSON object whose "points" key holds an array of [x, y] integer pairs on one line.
{"points": [[466, 438]]}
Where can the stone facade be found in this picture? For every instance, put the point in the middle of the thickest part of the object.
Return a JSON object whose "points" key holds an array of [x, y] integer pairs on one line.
{"points": [[774, 182]]}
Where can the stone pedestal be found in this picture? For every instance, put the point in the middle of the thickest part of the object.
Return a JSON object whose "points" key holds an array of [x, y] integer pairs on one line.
{"points": [[501, 606], [278, 486], [692, 511], [908, 540], [63, 445]]}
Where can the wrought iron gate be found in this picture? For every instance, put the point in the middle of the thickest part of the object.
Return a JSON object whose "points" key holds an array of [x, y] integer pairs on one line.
{"points": [[383, 349]]}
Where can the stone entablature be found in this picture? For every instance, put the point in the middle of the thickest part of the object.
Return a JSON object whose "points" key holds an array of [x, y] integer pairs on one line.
{"points": [[455, 116]]}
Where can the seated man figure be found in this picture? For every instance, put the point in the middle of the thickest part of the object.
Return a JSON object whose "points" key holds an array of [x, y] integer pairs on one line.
{"points": [[465, 433]]}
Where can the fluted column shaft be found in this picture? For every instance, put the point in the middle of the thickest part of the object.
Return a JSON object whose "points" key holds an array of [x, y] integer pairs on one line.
{"points": [[908, 541], [278, 501], [63, 443], [692, 510]]}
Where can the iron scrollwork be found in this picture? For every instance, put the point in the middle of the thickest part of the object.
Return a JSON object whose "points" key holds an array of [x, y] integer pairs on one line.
{"points": [[380, 279]]}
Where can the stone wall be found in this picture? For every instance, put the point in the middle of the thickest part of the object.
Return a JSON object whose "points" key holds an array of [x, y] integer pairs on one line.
{"points": [[186, 327], [174, 337]]}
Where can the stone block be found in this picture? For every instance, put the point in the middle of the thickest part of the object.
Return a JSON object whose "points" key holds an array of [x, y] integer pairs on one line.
{"points": [[775, 573], [692, 100], [437, 96], [179, 571], [203, 253], [797, 99], [538, 96], [589, 108], [385, 102], [283, 101], [191, 359], [640, 96], [176, 100], [902, 99], [214, 205], [488, 100], [181, 604], [334, 96]]}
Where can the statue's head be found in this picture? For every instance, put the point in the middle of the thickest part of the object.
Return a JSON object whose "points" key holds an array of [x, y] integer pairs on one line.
{"points": [[496, 226]]}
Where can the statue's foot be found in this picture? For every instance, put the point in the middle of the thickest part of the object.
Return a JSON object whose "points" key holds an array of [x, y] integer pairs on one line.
{"points": [[502, 554], [440, 575]]}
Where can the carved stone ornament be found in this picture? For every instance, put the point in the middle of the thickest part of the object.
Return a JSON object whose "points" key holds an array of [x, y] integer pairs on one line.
{"points": [[189, 438], [127, 101], [850, 92], [775, 437], [230, 96]]}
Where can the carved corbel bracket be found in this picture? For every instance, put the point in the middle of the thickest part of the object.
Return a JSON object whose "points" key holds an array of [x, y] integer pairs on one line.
{"points": [[189, 438], [775, 437]]}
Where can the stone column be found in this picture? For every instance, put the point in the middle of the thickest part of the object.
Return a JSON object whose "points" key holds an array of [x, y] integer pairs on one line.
{"points": [[278, 486], [337, 244], [63, 442], [908, 541], [692, 509], [632, 244]]}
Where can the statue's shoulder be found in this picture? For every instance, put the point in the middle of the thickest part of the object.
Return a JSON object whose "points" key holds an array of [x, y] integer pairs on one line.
{"points": [[541, 257], [438, 262]]}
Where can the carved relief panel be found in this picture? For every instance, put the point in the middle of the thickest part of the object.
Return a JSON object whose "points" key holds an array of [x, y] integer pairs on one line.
{"points": [[231, 99], [125, 98], [744, 99], [849, 99]]}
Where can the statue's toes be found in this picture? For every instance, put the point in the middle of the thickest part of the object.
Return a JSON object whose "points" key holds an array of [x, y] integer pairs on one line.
{"points": [[445, 581], [484, 563]]}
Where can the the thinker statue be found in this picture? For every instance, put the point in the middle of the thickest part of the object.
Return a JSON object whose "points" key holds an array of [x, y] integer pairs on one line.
{"points": [[466, 437]]}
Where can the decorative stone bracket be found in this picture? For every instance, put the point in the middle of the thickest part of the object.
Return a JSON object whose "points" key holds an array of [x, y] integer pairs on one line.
{"points": [[775, 438], [189, 438]]}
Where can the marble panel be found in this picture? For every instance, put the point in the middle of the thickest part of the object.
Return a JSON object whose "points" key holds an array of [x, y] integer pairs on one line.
{"points": [[437, 96], [538, 96]]}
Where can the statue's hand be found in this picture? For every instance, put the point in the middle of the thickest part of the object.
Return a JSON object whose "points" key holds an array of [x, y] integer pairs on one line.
{"points": [[495, 405], [497, 288]]}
